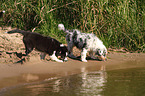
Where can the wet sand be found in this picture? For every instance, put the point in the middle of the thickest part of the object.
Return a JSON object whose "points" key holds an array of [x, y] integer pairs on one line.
{"points": [[37, 70]]}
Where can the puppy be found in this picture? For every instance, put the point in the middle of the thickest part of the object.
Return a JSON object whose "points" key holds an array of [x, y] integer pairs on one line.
{"points": [[46, 45], [86, 42]]}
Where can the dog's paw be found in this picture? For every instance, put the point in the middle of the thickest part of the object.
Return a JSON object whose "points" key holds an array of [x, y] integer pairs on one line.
{"points": [[65, 59], [84, 61]]}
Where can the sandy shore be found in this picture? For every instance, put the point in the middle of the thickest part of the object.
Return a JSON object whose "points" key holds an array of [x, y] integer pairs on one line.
{"points": [[37, 70]]}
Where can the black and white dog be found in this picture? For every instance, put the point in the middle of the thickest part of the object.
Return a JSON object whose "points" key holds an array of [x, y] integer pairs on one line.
{"points": [[84, 41], [46, 45]]}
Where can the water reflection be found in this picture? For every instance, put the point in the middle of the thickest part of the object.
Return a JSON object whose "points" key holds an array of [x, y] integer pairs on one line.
{"points": [[85, 83], [93, 82], [56, 86], [127, 82]]}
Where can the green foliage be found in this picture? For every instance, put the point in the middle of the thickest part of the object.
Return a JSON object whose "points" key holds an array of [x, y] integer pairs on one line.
{"points": [[119, 23]]}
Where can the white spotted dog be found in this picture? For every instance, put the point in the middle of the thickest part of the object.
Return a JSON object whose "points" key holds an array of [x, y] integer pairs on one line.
{"points": [[86, 42], [46, 45]]}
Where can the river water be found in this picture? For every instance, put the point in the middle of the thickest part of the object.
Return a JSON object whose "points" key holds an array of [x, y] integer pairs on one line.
{"points": [[122, 82]]}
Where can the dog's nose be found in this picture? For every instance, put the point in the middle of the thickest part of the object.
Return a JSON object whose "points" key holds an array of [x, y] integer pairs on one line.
{"points": [[103, 58]]}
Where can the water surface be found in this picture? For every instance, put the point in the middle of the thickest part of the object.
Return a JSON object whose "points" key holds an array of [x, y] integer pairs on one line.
{"points": [[123, 82]]}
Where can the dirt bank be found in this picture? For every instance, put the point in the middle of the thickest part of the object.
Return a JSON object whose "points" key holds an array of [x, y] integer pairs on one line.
{"points": [[37, 70]]}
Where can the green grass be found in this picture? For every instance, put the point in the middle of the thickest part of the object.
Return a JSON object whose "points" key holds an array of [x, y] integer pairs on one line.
{"points": [[118, 23]]}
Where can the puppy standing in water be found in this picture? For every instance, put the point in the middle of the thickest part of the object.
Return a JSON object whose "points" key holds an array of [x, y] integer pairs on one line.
{"points": [[46, 45], [84, 41]]}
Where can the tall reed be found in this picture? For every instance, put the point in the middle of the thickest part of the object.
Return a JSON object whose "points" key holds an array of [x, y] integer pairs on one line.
{"points": [[119, 23]]}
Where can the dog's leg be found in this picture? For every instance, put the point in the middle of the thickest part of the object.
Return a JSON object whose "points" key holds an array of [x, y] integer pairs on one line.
{"points": [[65, 58], [28, 47], [91, 55], [53, 57], [70, 52], [42, 56], [83, 55]]}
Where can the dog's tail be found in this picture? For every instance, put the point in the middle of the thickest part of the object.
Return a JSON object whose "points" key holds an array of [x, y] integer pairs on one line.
{"points": [[61, 27], [17, 31]]}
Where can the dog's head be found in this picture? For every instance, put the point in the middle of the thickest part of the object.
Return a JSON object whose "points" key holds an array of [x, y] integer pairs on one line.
{"points": [[63, 52], [102, 53]]}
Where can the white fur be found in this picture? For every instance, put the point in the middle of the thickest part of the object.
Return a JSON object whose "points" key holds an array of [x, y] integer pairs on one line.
{"points": [[53, 57], [61, 27], [61, 45], [65, 59], [3, 11], [83, 55]]}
